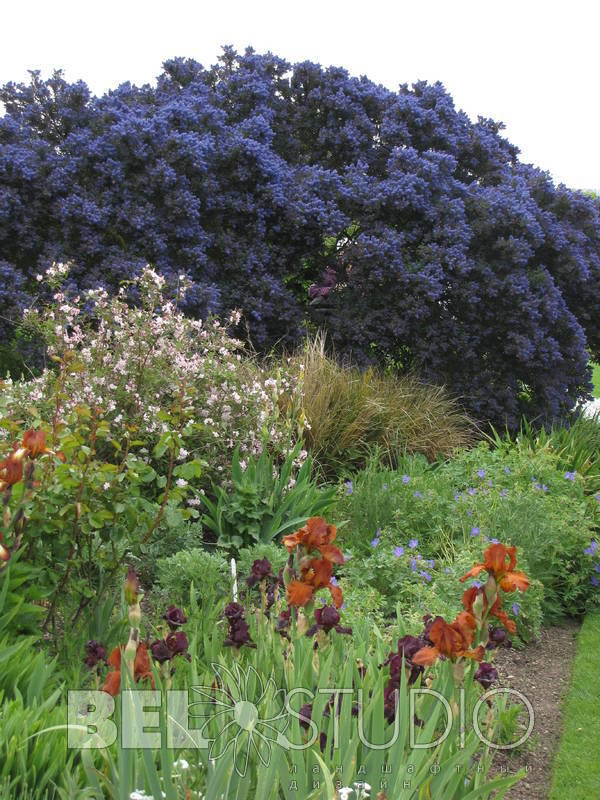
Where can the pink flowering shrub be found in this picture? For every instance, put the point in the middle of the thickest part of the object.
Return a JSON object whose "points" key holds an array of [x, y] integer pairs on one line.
{"points": [[146, 407], [130, 360]]}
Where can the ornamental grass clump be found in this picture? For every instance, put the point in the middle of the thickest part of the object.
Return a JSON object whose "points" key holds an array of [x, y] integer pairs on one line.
{"points": [[349, 411]]}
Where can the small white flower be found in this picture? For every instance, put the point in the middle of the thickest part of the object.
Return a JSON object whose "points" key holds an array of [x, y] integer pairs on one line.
{"points": [[39, 277], [181, 482], [106, 485], [181, 764]]}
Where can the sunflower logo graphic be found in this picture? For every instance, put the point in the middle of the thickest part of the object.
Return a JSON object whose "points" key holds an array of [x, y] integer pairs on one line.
{"points": [[243, 714]]}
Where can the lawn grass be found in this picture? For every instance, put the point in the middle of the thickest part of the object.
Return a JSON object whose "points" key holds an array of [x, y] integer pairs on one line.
{"points": [[596, 379], [576, 772]]}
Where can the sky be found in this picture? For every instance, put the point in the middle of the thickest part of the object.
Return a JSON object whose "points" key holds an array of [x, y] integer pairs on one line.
{"points": [[532, 65]]}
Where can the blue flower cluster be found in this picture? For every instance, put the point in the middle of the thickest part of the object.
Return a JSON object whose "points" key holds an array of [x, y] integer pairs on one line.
{"points": [[432, 243]]}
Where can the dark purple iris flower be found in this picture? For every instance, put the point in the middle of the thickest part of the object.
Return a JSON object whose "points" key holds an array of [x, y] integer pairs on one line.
{"points": [[160, 651], [497, 637], [327, 619], [95, 652], [175, 617], [238, 633], [486, 674], [177, 642], [234, 611], [261, 570]]}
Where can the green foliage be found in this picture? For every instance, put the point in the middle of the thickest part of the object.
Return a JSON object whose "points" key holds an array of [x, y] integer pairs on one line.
{"points": [[33, 764], [364, 609], [269, 767], [209, 572], [413, 585], [576, 447], [349, 411], [20, 593], [265, 502], [167, 541], [84, 515], [448, 507], [509, 723]]}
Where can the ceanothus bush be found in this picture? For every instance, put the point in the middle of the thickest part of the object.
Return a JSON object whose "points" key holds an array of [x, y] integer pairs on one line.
{"points": [[436, 248]]}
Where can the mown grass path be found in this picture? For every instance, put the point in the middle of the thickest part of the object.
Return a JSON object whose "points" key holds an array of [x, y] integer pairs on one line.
{"points": [[576, 771]]}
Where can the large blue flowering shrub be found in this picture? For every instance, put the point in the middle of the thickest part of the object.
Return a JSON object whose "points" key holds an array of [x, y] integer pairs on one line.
{"points": [[308, 197]]}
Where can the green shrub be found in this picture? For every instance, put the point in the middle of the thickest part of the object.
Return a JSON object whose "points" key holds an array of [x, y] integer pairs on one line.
{"points": [[166, 542], [411, 584], [514, 495], [133, 360], [364, 606], [20, 593], [209, 572], [133, 395]]}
